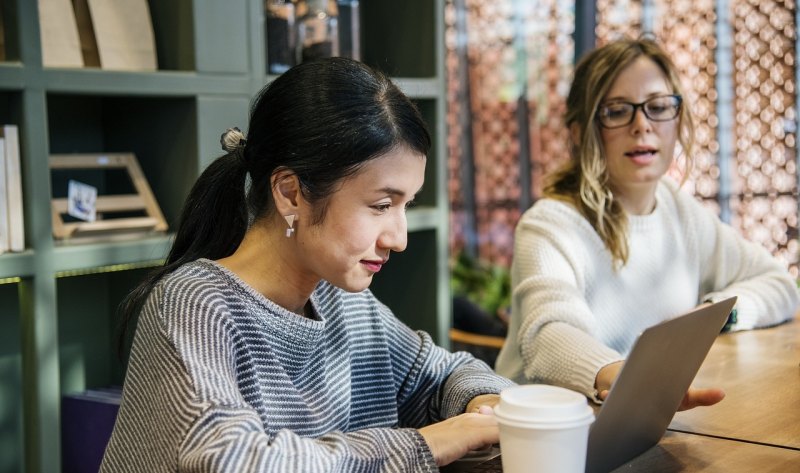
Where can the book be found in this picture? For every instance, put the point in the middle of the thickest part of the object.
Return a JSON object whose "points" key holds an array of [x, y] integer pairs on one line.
{"points": [[16, 222], [124, 34], [87, 420], [58, 30], [4, 238]]}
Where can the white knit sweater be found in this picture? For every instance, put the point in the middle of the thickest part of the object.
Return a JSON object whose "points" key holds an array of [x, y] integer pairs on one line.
{"points": [[572, 313]]}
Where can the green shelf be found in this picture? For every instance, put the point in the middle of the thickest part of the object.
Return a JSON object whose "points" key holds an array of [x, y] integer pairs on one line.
{"points": [[162, 83], [108, 256], [16, 265], [12, 76]]}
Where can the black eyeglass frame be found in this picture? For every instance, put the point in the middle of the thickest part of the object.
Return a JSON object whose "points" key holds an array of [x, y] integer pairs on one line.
{"points": [[641, 105]]}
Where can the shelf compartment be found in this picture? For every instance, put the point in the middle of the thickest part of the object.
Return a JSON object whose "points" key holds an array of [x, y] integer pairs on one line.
{"points": [[400, 38], [385, 40], [88, 328], [11, 407], [409, 283], [428, 195], [10, 31], [161, 132]]}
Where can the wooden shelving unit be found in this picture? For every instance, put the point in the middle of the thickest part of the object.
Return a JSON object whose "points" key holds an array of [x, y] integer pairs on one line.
{"points": [[58, 300]]}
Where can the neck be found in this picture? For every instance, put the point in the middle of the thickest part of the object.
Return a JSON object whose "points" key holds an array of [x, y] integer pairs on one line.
{"points": [[266, 261], [636, 201]]}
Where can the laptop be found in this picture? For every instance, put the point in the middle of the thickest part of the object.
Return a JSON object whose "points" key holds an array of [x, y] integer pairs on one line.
{"points": [[644, 398]]}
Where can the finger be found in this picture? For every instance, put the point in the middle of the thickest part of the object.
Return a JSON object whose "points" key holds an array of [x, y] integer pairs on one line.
{"points": [[701, 397], [485, 410]]}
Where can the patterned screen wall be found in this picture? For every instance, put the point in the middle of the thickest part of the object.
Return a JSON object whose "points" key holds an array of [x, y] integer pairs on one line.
{"points": [[764, 184], [753, 184], [517, 57]]}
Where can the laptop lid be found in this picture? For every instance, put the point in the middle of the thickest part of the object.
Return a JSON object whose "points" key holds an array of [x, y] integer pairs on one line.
{"points": [[651, 385]]}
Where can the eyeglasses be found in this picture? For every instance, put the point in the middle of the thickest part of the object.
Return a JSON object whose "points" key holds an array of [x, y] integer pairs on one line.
{"points": [[658, 109]]}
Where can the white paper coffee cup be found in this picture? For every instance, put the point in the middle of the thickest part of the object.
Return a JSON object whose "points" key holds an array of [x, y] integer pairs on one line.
{"points": [[543, 429]]}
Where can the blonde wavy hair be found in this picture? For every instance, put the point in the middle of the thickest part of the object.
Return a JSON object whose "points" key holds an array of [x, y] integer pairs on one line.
{"points": [[583, 180]]}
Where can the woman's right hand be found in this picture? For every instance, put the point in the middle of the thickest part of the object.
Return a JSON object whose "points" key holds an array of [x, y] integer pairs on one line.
{"points": [[453, 438], [606, 377]]}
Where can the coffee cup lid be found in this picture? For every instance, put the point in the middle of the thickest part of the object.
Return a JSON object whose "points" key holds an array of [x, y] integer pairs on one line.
{"points": [[542, 404]]}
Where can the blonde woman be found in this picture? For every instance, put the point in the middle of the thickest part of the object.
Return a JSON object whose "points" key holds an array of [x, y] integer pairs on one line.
{"points": [[615, 246]]}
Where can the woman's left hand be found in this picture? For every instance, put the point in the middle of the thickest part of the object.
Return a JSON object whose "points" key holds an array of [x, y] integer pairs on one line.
{"points": [[696, 397], [483, 404]]}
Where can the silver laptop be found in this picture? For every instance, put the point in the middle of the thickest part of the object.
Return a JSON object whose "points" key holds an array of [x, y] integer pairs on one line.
{"points": [[644, 398]]}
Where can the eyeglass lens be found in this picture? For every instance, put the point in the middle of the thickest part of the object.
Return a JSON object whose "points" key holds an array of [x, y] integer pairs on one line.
{"points": [[617, 114]]}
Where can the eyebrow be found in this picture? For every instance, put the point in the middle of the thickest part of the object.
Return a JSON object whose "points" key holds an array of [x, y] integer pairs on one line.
{"points": [[626, 99], [393, 192]]}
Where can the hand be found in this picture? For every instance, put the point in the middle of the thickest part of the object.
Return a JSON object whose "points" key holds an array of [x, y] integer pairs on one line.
{"points": [[484, 400], [696, 397], [453, 438], [606, 377]]}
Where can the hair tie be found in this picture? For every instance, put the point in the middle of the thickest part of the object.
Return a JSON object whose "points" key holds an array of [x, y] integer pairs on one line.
{"points": [[232, 140]]}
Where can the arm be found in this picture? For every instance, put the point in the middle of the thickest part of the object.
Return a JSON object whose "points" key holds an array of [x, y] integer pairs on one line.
{"points": [[432, 383], [556, 253], [436, 387], [733, 266]]}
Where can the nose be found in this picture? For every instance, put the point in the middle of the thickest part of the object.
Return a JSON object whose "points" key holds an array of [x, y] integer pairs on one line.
{"points": [[395, 236], [641, 123]]}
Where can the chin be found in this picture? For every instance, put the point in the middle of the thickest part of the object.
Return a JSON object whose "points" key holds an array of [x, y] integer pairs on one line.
{"points": [[353, 286]]}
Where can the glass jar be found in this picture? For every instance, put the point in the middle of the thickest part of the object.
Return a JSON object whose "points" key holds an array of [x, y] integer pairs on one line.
{"points": [[280, 35], [317, 29]]}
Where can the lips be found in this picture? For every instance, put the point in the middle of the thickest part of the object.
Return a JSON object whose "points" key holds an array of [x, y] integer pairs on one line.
{"points": [[374, 265], [642, 154]]}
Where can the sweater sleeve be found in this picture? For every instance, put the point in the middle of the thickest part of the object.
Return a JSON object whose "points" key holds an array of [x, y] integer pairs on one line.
{"points": [[731, 265], [552, 325], [432, 383], [183, 411]]}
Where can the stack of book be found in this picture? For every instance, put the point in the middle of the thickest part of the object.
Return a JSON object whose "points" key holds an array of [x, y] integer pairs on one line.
{"points": [[87, 420], [12, 227]]}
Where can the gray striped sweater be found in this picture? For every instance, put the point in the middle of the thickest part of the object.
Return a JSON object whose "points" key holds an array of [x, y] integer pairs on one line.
{"points": [[222, 379]]}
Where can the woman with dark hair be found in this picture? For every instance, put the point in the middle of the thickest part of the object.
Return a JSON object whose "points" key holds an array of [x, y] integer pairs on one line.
{"points": [[258, 346], [615, 246]]}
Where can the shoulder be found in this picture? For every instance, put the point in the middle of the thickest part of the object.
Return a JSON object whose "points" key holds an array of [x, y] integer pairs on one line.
{"points": [[195, 293], [555, 223], [548, 212], [199, 279]]}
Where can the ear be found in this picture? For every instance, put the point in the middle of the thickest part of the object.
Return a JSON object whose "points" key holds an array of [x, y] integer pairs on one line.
{"points": [[286, 191]]}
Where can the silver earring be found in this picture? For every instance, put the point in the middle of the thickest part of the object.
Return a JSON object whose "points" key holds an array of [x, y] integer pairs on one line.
{"points": [[290, 221]]}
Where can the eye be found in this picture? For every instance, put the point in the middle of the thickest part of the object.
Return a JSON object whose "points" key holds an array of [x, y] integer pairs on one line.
{"points": [[616, 110], [410, 204], [660, 106], [381, 208]]}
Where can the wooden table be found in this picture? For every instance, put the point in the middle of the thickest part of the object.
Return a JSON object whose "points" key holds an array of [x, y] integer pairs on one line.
{"points": [[756, 427], [681, 452], [760, 373]]}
